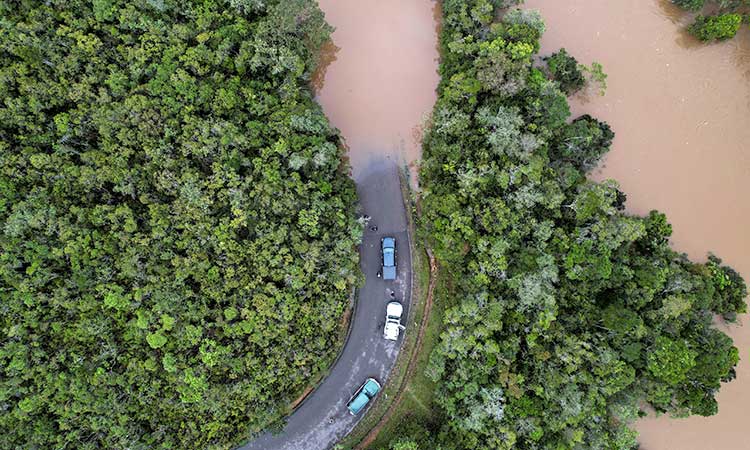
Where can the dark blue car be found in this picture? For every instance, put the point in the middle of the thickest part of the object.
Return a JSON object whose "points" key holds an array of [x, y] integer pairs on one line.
{"points": [[388, 245]]}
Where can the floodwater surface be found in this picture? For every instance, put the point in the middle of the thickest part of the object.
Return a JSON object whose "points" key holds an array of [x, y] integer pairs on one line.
{"points": [[680, 111], [378, 82]]}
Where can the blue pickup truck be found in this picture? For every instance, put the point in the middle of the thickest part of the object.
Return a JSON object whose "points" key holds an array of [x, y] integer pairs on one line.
{"points": [[388, 247], [362, 397]]}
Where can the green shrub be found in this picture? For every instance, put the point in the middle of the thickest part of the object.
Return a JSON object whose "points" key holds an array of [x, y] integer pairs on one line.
{"points": [[716, 28], [690, 5]]}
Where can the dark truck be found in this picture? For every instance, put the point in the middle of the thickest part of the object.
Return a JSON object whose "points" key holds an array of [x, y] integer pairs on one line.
{"points": [[388, 247]]}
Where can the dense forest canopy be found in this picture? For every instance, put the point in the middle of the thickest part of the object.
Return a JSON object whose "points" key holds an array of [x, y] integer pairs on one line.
{"points": [[566, 314], [177, 241]]}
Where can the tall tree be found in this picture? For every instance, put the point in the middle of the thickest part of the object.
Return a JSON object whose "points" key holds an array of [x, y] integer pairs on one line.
{"points": [[178, 235]]}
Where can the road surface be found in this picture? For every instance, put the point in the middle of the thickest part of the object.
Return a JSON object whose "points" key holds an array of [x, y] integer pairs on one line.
{"points": [[322, 420]]}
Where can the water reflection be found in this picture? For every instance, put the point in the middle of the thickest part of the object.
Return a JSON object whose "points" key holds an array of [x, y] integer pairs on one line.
{"points": [[670, 11], [437, 17], [327, 57], [741, 51]]}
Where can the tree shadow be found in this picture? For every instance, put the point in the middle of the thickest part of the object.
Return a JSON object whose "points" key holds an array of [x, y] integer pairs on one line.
{"points": [[671, 12], [328, 54], [682, 19], [741, 51], [437, 17]]}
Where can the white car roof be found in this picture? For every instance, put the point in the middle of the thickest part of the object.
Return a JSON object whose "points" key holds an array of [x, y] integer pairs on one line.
{"points": [[394, 309]]}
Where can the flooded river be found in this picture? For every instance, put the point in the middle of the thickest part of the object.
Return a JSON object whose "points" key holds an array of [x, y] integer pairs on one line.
{"points": [[681, 112], [379, 84]]}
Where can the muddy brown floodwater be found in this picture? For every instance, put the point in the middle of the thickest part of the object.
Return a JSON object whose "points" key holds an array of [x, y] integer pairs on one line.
{"points": [[680, 111], [378, 86]]}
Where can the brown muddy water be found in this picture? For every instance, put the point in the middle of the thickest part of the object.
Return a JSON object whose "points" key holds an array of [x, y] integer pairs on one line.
{"points": [[681, 112], [378, 86]]}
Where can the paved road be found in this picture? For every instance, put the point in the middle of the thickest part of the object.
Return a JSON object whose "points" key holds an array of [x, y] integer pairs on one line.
{"points": [[323, 419]]}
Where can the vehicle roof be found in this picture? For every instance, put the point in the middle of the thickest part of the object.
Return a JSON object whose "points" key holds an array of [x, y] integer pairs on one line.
{"points": [[394, 309], [388, 257], [359, 402]]}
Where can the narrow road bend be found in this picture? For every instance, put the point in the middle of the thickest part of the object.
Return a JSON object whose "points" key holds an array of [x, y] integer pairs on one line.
{"points": [[323, 419]]}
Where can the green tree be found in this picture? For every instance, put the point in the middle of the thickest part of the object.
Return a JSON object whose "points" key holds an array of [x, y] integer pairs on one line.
{"points": [[670, 360], [404, 445], [716, 28], [564, 68], [178, 226], [690, 5], [583, 142]]}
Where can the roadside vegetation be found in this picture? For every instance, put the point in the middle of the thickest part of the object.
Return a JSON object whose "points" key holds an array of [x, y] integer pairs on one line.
{"points": [[178, 237], [565, 315], [717, 20]]}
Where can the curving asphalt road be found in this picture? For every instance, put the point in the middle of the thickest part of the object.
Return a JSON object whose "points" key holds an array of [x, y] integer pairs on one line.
{"points": [[323, 419]]}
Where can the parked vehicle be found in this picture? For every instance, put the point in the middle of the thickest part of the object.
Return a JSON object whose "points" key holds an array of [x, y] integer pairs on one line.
{"points": [[362, 397], [393, 326], [388, 247]]}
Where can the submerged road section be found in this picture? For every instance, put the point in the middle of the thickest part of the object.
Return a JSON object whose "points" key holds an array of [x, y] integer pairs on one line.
{"points": [[323, 418]]}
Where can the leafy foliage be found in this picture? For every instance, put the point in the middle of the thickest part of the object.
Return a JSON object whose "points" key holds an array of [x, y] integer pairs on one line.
{"points": [[582, 143], [178, 237], [690, 5], [716, 28], [719, 26], [566, 312], [564, 68], [595, 74]]}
